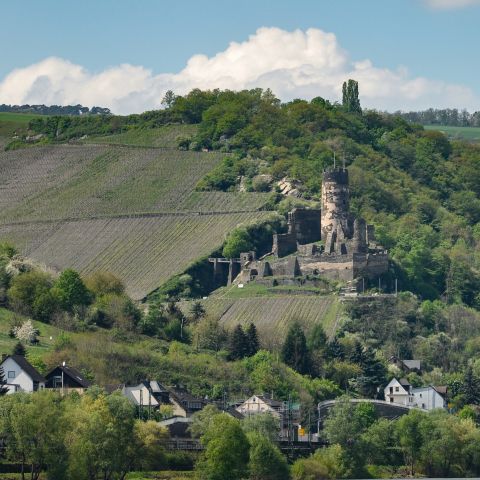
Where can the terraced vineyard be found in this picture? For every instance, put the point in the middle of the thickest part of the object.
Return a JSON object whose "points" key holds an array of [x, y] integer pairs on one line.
{"points": [[132, 211], [143, 251], [163, 137], [273, 314]]}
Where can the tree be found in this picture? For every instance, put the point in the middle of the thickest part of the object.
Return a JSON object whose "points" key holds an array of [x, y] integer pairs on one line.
{"points": [[201, 420], [264, 424], [3, 382], [101, 429], [104, 283], [25, 288], [326, 463], [470, 387], [238, 241], [150, 438], [26, 332], [253, 344], [238, 344], [71, 290], [226, 451], [350, 98], [294, 351], [168, 99], [266, 460], [34, 433], [197, 311], [209, 334], [409, 434], [19, 349]]}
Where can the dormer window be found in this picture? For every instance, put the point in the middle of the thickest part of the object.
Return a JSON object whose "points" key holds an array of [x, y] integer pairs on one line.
{"points": [[11, 374]]}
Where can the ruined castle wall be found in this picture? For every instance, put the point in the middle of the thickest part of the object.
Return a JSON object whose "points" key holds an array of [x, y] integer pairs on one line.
{"points": [[306, 224], [288, 267], [371, 265], [284, 244]]}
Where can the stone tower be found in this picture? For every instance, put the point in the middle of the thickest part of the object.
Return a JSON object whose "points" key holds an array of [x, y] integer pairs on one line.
{"points": [[335, 217]]}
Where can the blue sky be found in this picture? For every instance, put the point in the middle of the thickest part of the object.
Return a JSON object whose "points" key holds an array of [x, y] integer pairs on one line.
{"points": [[435, 40]]}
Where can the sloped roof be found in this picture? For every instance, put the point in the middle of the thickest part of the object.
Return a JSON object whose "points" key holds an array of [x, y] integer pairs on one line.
{"points": [[29, 369], [140, 395], [184, 397], [404, 382], [73, 373], [412, 364], [270, 401]]}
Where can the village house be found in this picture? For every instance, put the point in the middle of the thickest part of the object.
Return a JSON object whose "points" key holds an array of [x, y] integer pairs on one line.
{"points": [[20, 375], [140, 396], [66, 379], [260, 404], [184, 404], [406, 366], [401, 392]]}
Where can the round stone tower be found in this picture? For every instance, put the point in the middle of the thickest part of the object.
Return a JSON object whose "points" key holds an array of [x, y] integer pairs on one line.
{"points": [[335, 203]]}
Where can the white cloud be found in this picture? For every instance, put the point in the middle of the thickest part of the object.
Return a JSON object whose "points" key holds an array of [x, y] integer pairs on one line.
{"points": [[298, 64], [451, 4]]}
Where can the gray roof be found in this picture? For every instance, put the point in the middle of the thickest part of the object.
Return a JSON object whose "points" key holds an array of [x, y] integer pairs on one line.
{"points": [[404, 382], [412, 364], [29, 369]]}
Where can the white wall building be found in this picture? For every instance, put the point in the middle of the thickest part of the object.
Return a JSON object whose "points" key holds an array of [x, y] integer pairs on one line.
{"points": [[260, 404], [20, 375], [426, 398]]}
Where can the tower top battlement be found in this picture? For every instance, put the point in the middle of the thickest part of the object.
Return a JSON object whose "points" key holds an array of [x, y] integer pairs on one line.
{"points": [[337, 175]]}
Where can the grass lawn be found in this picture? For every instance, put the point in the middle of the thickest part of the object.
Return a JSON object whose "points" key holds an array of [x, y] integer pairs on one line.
{"points": [[14, 122], [465, 133]]}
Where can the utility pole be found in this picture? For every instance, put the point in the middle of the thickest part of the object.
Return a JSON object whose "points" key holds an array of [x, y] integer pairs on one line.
{"points": [[396, 287], [379, 284], [334, 161]]}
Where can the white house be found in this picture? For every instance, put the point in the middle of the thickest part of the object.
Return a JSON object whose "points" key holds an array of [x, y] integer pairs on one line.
{"points": [[140, 396], [20, 375], [260, 404], [426, 398]]}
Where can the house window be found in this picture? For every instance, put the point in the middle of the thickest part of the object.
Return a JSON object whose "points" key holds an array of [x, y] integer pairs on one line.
{"points": [[391, 389], [57, 382], [391, 399], [397, 389], [423, 405], [11, 374], [420, 395]]}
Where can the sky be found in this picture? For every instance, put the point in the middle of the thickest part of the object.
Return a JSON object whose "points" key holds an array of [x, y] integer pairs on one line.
{"points": [[124, 54]]}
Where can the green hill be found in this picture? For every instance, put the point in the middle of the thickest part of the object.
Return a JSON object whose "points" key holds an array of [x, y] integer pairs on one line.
{"points": [[457, 133], [131, 210]]}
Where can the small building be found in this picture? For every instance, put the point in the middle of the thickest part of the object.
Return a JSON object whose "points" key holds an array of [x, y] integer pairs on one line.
{"points": [[400, 392], [67, 379], [140, 396], [20, 375], [260, 404], [184, 404], [406, 366]]}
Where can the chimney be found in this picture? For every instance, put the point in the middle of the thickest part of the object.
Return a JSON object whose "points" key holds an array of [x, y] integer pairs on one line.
{"points": [[4, 356]]}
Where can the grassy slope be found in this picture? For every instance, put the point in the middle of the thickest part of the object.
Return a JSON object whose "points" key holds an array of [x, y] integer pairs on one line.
{"points": [[71, 206], [466, 133], [164, 137]]}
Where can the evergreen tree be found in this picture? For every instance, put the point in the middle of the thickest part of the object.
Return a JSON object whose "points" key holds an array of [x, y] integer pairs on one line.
{"points": [[470, 387], [350, 98], [357, 356], [19, 349], [3, 382], [374, 375], [253, 345], [197, 310], [294, 351], [335, 350], [238, 344]]}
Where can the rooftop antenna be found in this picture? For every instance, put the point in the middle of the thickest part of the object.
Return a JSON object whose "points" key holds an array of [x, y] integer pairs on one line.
{"points": [[343, 163]]}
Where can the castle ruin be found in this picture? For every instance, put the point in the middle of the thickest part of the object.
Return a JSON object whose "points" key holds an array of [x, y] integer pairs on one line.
{"points": [[329, 243]]}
